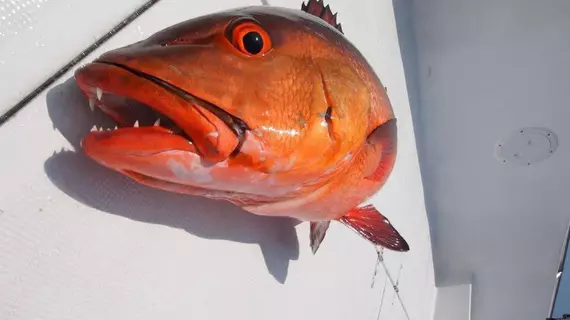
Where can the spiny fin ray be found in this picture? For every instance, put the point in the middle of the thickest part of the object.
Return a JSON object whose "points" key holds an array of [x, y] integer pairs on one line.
{"points": [[318, 9]]}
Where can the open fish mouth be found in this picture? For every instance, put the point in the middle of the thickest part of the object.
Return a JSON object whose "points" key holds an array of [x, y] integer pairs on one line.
{"points": [[135, 100], [129, 113]]}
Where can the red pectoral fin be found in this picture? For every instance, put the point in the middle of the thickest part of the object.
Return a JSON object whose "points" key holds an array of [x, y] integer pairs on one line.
{"points": [[318, 232], [373, 226], [382, 146]]}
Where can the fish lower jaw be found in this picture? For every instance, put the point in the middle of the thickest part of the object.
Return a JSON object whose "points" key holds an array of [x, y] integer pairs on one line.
{"points": [[127, 113]]}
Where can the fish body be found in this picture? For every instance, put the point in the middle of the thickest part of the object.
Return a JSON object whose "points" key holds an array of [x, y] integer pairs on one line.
{"points": [[269, 108]]}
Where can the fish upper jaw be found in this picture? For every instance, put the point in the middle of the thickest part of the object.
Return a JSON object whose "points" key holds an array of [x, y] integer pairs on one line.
{"points": [[133, 99]]}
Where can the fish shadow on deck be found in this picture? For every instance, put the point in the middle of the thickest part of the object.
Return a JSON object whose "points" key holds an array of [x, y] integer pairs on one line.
{"points": [[106, 190]]}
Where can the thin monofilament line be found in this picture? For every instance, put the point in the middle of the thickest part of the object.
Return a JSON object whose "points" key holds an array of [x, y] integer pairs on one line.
{"points": [[397, 285], [376, 268], [394, 284], [382, 299]]}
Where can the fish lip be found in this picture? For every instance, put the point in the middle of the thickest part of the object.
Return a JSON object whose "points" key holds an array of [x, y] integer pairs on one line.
{"points": [[237, 125]]}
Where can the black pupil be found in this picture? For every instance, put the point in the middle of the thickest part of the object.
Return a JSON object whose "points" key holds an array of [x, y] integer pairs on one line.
{"points": [[252, 42]]}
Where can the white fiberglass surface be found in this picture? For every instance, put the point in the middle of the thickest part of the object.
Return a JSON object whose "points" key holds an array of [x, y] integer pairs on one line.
{"points": [[78, 241], [38, 37]]}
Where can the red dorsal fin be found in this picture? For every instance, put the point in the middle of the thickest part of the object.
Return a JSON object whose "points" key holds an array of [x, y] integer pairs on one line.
{"points": [[317, 8], [374, 227], [318, 232]]}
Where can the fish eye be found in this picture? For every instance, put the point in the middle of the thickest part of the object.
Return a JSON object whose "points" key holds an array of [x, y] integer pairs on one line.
{"points": [[252, 42], [250, 38]]}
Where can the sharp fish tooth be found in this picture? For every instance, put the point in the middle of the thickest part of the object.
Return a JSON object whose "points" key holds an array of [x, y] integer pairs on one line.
{"points": [[157, 122], [116, 127], [92, 104], [136, 125], [94, 128], [99, 93]]}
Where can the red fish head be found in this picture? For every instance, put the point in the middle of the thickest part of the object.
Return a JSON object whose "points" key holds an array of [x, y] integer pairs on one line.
{"points": [[253, 105]]}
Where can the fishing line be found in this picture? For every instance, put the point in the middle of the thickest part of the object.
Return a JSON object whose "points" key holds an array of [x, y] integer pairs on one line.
{"points": [[20, 105], [394, 284], [376, 268], [397, 284], [382, 299]]}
